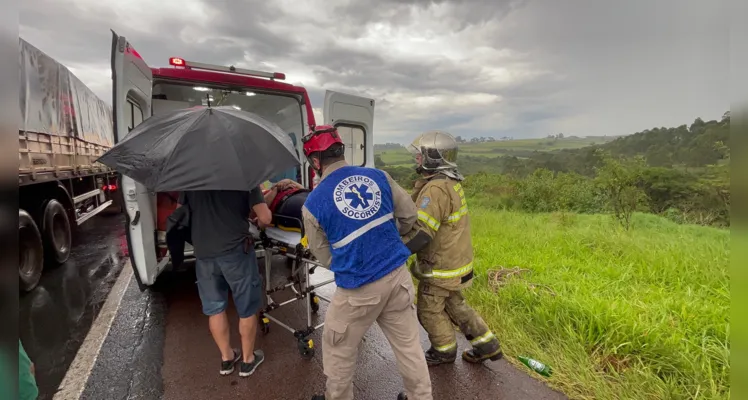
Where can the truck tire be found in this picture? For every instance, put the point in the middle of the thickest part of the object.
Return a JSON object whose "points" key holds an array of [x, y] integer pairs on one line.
{"points": [[30, 252], [58, 238]]}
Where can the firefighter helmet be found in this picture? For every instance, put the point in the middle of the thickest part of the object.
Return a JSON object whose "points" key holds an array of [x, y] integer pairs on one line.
{"points": [[438, 150], [320, 139]]}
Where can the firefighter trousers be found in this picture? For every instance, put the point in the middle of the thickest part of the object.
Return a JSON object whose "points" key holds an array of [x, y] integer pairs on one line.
{"points": [[390, 302], [439, 309]]}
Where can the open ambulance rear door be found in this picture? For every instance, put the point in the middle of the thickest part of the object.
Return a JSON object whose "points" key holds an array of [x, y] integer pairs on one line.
{"points": [[354, 118], [132, 83]]}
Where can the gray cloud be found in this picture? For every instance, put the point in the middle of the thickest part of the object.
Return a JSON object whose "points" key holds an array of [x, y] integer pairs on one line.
{"points": [[86, 33], [400, 12], [487, 66]]}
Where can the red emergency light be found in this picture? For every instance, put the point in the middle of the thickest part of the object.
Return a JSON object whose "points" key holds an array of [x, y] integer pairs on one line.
{"points": [[181, 62], [177, 62]]}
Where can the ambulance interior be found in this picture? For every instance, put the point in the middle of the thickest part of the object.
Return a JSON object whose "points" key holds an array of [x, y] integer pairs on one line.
{"points": [[284, 109]]}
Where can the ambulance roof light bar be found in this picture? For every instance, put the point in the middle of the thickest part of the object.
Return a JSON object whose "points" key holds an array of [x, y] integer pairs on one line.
{"points": [[181, 62]]}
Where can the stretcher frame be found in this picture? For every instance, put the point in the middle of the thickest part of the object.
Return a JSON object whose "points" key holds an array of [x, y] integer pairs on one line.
{"points": [[302, 266]]}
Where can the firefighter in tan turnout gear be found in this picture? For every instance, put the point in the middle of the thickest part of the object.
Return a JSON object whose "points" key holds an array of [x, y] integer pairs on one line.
{"points": [[444, 251]]}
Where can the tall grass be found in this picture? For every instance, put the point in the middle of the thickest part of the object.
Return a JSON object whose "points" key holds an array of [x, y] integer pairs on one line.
{"points": [[642, 314]]}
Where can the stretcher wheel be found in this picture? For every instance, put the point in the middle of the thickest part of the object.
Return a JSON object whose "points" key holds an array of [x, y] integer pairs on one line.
{"points": [[306, 348], [265, 326], [314, 302]]}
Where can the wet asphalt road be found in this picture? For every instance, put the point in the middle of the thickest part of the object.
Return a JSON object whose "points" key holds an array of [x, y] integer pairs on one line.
{"points": [[159, 345], [55, 317], [190, 368]]}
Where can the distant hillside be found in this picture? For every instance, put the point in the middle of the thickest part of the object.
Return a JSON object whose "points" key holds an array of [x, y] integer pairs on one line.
{"points": [[698, 145], [680, 159], [692, 146], [682, 173], [396, 154], [387, 146]]}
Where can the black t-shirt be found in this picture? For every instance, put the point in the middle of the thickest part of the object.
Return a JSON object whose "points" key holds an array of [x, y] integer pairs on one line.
{"points": [[219, 218], [288, 212]]}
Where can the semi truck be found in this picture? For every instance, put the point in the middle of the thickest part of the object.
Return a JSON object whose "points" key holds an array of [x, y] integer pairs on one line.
{"points": [[64, 127], [140, 91]]}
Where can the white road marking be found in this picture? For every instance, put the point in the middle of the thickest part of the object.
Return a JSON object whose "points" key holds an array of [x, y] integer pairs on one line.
{"points": [[75, 380]]}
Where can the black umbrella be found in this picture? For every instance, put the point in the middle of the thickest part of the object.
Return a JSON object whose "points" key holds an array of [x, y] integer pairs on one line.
{"points": [[203, 148]]}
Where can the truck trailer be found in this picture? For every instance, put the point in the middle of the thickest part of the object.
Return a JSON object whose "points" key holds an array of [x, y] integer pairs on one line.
{"points": [[64, 128]]}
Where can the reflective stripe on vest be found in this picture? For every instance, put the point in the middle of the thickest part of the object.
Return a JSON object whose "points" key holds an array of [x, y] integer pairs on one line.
{"points": [[456, 216], [355, 208], [452, 273], [432, 222], [362, 230]]}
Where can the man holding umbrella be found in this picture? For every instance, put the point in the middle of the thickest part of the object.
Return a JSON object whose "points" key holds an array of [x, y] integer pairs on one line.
{"points": [[216, 157], [226, 260], [353, 220]]}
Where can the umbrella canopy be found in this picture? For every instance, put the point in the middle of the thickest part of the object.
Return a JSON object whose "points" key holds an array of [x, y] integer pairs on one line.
{"points": [[203, 148]]}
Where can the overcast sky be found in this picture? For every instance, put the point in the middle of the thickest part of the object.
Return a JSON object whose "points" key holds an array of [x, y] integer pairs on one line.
{"points": [[471, 67]]}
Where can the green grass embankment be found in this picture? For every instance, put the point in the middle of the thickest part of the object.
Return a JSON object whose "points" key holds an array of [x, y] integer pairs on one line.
{"points": [[642, 314]]}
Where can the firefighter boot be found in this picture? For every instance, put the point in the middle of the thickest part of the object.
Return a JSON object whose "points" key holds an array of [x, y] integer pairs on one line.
{"points": [[435, 357], [484, 351], [400, 396]]}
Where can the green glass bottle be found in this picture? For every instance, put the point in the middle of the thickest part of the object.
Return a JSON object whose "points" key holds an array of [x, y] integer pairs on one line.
{"points": [[536, 366]]}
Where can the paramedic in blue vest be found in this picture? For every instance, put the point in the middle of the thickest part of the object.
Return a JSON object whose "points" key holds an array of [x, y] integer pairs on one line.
{"points": [[353, 221]]}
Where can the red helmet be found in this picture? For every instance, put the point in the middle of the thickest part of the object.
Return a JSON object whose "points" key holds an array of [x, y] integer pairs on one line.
{"points": [[320, 139]]}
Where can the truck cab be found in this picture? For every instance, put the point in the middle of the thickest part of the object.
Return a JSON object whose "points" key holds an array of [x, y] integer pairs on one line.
{"points": [[140, 91]]}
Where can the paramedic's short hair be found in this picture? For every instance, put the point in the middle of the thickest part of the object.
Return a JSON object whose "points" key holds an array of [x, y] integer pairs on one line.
{"points": [[333, 154]]}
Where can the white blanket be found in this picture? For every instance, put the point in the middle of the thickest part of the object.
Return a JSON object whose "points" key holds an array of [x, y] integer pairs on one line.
{"points": [[287, 237]]}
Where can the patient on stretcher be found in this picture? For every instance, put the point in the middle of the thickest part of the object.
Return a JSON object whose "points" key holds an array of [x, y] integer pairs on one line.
{"points": [[285, 200]]}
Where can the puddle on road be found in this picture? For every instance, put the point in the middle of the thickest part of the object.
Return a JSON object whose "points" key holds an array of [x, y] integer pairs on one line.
{"points": [[55, 317]]}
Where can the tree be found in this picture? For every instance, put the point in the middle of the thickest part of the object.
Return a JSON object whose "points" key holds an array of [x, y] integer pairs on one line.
{"points": [[659, 157], [618, 181], [378, 163], [697, 123]]}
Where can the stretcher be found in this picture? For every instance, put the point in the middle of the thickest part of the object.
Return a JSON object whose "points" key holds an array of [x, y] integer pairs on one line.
{"points": [[290, 244]]}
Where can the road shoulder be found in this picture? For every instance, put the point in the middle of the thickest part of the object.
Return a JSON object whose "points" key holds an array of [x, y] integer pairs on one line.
{"points": [[130, 360]]}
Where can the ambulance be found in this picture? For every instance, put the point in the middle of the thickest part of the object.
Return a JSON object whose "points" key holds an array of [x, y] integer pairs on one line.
{"points": [[140, 91]]}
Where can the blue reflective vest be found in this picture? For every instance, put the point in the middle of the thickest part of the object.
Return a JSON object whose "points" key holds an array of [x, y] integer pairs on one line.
{"points": [[354, 207]]}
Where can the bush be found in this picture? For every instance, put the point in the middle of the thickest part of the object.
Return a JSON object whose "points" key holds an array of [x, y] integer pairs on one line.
{"points": [[404, 176], [621, 186], [620, 181], [543, 191]]}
